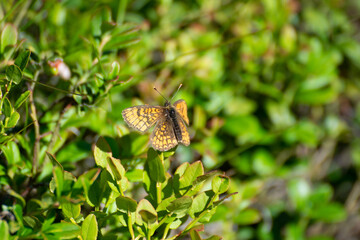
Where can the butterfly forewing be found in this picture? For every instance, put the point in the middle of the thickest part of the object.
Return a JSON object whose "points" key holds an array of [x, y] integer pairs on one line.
{"points": [[142, 117], [163, 138], [181, 108]]}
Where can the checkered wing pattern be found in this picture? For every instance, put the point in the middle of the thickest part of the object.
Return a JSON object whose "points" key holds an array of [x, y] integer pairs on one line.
{"points": [[185, 137], [163, 138], [181, 108], [142, 117]]}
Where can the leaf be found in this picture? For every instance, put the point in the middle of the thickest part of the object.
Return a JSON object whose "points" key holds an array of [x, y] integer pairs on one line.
{"points": [[89, 228], [115, 168], [13, 120], [63, 230], [194, 235], [220, 184], [13, 73], [4, 138], [7, 108], [115, 70], [201, 179], [70, 210], [18, 212], [126, 204], [101, 152], [54, 162], [155, 166], [4, 230], [148, 216], [147, 212], [329, 213], [180, 206], [59, 180], [200, 203], [21, 99], [8, 37], [191, 173], [248, 216], [22, 60], [11, 152]]}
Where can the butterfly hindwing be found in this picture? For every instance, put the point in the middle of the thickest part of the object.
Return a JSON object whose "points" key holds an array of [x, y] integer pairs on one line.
{"points": [[142, 117], [163, 137], [185, 137], [181, 108]]}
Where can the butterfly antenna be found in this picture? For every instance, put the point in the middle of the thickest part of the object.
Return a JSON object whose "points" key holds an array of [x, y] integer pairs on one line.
{"points": [[176, 92], [161, 94]]}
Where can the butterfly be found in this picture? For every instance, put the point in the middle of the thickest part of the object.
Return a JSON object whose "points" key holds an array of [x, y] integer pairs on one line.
{"points": [[170, 122]]}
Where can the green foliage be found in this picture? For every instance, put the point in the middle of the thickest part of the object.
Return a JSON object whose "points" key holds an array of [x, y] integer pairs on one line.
{"points": [[273, 97]]}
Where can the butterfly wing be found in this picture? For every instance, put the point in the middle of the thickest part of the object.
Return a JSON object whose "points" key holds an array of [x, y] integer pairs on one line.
{"points": [[142, 117], [185, 137], [181, 108], [163, 138]]}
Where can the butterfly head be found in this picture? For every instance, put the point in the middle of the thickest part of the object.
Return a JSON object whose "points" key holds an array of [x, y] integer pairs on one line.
{"points": [[167, 102]]}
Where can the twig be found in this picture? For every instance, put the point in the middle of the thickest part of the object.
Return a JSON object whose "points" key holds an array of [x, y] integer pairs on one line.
{"points": [[36, 125]]}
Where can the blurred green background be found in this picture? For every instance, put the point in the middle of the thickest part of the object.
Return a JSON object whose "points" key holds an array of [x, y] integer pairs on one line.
{"points": [[272, 88]]}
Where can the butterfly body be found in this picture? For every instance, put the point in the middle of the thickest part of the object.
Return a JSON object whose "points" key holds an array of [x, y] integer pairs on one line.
{"points": [[170, 123]]}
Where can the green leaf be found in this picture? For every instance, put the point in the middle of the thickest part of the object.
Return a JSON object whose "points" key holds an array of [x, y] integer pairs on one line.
{"points": [[18, 212], [70, 209], [299, 192], [8, 37], [4, 138], [89, 228], [201, 179], [54, 162], [101, 152], [12, 153], [4, 230], [115, 168], [22, 60], [147, 212], [126, 204], [115, 70], [148, 216], [263, 162], [194, 235], [21, 99], [13, 73], [329, 213], [95, 193], [155, 166], [13, 120], [220, 184], [248, 216], [62, 230], [180, 206], [59, 180], [200, 203], [7, 108], [190, 175]]}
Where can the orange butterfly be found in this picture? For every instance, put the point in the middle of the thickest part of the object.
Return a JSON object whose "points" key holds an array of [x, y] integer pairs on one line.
{"points": [[170, 122]]}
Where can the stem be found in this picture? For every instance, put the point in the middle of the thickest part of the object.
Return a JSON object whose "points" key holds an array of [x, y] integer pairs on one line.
{"points": [[7, 89], [166, 231], [131, 230], [195, 220], [56, 130], [148, 231], [36, 125]]}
